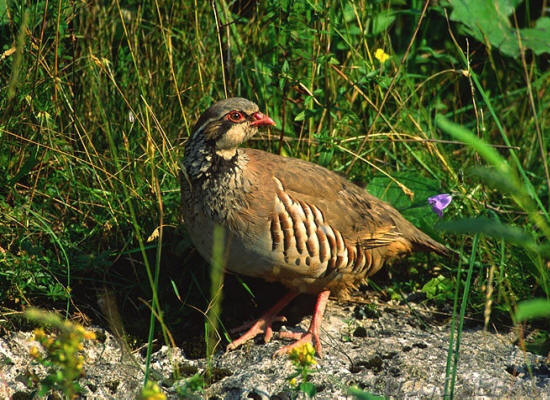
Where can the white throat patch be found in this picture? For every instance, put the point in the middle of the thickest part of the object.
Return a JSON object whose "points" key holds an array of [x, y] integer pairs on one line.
{"points": [[227, 154]]}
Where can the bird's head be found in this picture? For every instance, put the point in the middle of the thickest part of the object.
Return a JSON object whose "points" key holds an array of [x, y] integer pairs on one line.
{"points": [[228, 123]]}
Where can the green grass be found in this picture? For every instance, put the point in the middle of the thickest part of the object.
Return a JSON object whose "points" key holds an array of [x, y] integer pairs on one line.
{"points": [[96, 101]]}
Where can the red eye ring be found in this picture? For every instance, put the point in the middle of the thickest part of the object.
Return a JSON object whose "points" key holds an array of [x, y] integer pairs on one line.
{"points": [[235, 116]]}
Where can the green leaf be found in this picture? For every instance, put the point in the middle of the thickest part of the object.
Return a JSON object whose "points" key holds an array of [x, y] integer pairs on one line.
{"points": [[308, 388], [439, 288], [536, 38], [531, 309], [349, 13], [3, 13], [418, 211], [382, 21], [175, 288], [245, 286], [300, 116], [489, 21], [29, 164], [325, 155], [286, 67], [386, 189], [362, 395]]}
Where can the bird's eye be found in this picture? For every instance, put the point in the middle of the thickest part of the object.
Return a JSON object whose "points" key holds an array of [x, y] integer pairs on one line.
{"points": [[235, 116]]}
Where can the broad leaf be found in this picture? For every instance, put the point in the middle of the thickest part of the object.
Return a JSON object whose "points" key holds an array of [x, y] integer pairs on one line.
{"points": [[362, 395], [418, 211], [308, 388], [382, 21], [489, 22], [439, 288], [537, 39]]}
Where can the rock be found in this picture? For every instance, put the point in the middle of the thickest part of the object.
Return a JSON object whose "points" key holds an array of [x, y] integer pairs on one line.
{"points": [[393, 355]]}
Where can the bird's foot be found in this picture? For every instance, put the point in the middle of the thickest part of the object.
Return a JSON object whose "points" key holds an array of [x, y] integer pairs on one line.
{"points": [[312, 334], [263, 324], [256, 323]]}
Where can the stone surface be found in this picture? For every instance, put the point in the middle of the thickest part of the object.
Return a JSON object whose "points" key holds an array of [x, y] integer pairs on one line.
{"points": [[398, 352]]}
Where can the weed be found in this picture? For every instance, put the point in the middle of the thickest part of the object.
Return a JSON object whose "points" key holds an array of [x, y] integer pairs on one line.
{"points": [[151, 391], [59, 353], [191, 386], [303, 359]]}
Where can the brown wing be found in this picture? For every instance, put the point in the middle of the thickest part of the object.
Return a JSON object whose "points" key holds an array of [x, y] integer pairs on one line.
{"points": [[347, 208]]}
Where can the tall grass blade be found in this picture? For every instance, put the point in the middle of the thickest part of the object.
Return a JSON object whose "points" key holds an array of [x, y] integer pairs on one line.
{"points": [[216, 284], [452, 327], [20, 46], [463, 306], [490, 227], [491, 177]]}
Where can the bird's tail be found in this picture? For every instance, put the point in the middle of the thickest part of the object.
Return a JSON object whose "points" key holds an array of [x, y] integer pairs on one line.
{"points": [[423, 242]]}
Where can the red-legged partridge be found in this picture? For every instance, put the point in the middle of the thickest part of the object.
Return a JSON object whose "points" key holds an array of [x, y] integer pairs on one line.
{"points": [[285, 219]]}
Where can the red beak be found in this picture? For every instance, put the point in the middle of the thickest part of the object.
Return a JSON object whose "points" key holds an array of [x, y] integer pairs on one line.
{"points": [[261, 119]]}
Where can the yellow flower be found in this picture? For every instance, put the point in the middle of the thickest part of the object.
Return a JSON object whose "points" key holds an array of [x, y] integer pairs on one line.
{"points": [[39, 334], [293, 382], [90, 335], [303, 355], [309, 360], [34, 353], [152, 391], [381, 56]]}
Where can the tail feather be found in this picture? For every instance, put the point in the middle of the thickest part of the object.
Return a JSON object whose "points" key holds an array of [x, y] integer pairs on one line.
{"points": [[423, 242], [419, 240]]}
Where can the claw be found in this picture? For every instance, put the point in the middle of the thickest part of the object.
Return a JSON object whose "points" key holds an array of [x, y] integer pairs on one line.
{"points": [[312, 334], [263, 324], [248, 325]]}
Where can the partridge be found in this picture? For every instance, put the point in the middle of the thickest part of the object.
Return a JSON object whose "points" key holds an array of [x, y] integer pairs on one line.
{"points": [[285, 220]]}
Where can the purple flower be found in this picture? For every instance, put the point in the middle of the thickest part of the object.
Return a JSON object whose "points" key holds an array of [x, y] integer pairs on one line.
{"points": [[439, 202]]}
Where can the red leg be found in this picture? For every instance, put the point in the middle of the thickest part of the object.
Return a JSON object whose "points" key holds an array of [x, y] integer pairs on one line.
{"points": [[312, 334], [263, 324]]}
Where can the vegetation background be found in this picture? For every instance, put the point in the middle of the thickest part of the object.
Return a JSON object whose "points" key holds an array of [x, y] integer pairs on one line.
{"points": [[98, 97]]}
